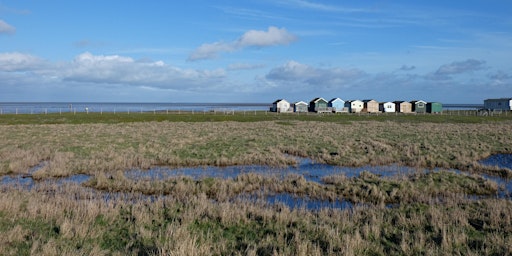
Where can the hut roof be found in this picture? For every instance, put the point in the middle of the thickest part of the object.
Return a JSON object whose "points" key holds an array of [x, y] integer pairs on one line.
{"points": [[279, 100], [316, 100]]}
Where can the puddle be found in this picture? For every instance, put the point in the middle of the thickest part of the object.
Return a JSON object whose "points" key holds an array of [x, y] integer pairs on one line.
{"points": [[501, 161], [27, 182], [310, 170], [294, 202]]}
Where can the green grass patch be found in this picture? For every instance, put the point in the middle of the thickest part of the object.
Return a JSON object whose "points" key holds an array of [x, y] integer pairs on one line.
{"points": [[111, 118]]}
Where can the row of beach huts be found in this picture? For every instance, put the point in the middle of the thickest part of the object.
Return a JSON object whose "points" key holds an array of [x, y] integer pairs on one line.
{"points": [[337, 105]]}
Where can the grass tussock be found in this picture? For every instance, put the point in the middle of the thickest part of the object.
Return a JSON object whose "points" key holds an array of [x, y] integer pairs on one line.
{"points": [[91, 148], [72, 220], [427, 213]]}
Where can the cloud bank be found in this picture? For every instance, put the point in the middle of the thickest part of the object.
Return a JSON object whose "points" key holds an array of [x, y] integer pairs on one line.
{"points": [[294, 72], [98, 75], [252, 38], [115, 69], [16, 62]]}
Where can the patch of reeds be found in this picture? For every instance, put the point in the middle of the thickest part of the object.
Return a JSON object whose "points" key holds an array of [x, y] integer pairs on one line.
{"points": [[432, 213], [69, 219], [92, 148]]}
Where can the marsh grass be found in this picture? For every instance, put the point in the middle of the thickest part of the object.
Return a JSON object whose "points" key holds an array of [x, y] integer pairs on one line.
{"points": [[432, 213], [90, 148], [69, 219]]}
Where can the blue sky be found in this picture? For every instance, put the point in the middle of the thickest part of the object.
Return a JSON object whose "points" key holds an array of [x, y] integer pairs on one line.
{"points": [[255, 51]]}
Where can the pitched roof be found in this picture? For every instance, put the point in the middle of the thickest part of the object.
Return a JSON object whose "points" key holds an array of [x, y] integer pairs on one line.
{"points": [[335, 99], [279, 100], [315, 100]]}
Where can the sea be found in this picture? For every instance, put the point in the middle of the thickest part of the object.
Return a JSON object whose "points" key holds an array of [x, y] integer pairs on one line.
{"points": [[74, 107]]}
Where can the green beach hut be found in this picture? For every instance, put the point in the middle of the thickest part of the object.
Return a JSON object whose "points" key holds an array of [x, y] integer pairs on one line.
{"points": [[434, 107], [419, 106], [318, 105]]}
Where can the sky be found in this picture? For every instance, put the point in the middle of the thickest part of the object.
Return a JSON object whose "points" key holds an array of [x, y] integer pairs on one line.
{"points": [[254, 50]]}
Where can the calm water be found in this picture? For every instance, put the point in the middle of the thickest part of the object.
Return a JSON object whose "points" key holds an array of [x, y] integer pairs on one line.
{"points": [[307, 168], [63, 107], [310, 170]]}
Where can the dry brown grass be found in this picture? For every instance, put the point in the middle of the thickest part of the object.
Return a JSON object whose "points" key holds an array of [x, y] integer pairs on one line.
{"points": [[205, 217], [92, 148], [72, 220]]}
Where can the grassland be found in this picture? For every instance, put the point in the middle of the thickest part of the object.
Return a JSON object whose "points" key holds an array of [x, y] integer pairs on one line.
{"points": [[432, 213]]}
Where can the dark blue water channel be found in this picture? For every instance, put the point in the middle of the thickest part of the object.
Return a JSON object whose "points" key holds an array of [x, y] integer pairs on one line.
{"points": [[310, 170], [500, 161]]}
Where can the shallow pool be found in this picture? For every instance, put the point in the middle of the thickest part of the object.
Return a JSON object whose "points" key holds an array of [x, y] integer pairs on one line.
{"points": [[309, 169]]}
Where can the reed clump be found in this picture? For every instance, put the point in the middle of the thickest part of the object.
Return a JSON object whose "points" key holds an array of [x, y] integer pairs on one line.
{"points": [[71, 219], [91, 148], [431, 213]]}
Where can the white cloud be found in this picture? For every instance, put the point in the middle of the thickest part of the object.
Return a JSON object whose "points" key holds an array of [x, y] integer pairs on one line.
{"points": [[273, 36], [458, 67], [500, 75], [15, 61], [244, 66], [321, 7], [445, 71], [6, 28], [252, 38], [211, 51], [297, 73], [407, 68], [115, 69]]}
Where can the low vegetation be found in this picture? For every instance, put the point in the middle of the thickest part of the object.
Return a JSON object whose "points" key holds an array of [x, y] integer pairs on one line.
{"points": [[430, 213]]}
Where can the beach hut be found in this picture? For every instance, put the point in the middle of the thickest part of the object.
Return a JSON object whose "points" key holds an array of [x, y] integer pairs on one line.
{"points": [[403, 106], [498, 104], [434, 107], [300, 107], [354, 106], [318, 105], [387, 107], [337, 105], [419, 106], [280, 106], [371, 106]]}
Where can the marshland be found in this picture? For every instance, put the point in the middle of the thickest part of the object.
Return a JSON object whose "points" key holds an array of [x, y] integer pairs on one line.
{"points": [[448, 202]]}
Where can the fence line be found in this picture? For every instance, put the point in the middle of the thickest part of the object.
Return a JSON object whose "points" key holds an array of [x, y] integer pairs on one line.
{"points": [[179, 111]]}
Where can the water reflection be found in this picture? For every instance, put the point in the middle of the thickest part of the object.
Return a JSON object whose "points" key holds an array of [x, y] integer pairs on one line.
{"points": [[500, 161], [310, 170], [305, 202], [27, 182], [307, 168]]}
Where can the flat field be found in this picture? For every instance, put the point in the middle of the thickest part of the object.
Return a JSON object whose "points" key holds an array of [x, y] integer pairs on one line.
{"points": [[428, 213]]}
